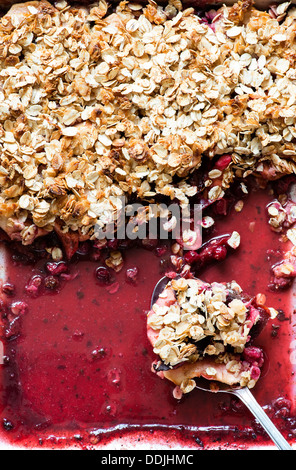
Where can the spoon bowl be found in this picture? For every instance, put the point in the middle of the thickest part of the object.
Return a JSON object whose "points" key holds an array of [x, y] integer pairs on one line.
{"points": [[158, 289], [243, 393]]}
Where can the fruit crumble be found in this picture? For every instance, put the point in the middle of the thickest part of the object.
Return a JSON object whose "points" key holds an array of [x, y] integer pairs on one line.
{"points": [[99, 103], [206, 327], [105, 106]]}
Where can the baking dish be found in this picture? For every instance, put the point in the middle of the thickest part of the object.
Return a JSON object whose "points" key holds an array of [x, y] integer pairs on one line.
{"points": [[44, 372]]}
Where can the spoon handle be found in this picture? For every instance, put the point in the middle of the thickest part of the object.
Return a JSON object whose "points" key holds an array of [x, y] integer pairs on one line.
{"points": [[249, 400]]}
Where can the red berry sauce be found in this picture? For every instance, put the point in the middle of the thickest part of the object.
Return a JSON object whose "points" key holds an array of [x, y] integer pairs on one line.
{"points": [[77, 366]]}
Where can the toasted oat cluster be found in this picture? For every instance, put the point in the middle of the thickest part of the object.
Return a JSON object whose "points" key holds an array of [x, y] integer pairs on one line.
{"points": [[205, 327], [97, 104], [200, 311]]}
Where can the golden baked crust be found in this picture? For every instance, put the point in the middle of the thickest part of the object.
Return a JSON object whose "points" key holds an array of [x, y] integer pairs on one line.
{"points": [[96, 105]]}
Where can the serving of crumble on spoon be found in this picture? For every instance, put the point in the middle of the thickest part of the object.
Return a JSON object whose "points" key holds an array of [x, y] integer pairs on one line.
{"points": [[203, 331]]}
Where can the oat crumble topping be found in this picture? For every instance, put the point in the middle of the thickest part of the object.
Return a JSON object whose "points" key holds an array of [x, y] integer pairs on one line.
{"points": [[193, 321], [97, 104]]}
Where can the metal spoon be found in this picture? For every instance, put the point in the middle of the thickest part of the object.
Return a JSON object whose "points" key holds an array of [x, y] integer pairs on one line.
{"points": [[243, 393]]}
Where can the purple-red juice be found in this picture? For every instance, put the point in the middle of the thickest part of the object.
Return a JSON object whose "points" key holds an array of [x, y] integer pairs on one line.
{"points": [[77, 367]]}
